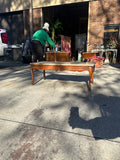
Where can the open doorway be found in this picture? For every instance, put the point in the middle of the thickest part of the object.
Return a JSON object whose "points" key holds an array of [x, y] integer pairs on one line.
{"points": [[74, 19]]}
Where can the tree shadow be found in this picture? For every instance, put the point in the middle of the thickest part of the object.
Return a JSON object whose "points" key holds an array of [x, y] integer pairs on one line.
{"points": [[105, 127]]}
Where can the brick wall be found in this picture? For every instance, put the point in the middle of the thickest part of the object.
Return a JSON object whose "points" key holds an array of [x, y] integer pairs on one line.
{"points": [[101, 12]]}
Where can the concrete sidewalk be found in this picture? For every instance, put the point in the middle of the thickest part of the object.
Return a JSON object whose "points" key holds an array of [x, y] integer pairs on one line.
{"points": [[58, 118]]}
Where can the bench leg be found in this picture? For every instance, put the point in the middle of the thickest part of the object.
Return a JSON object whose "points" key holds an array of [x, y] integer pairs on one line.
{"points": [[90, 77], [32, 75], [44, 74]]}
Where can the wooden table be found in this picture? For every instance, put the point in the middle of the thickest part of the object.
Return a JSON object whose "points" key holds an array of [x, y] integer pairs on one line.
{"points": [[61, 66], [87, 55], [57, 56]]}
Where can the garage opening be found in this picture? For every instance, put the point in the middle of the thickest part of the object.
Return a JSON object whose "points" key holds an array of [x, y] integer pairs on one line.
{"points": [[74, 21]]}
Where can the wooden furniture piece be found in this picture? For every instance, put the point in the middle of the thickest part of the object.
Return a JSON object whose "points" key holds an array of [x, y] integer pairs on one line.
{"points": [[57, 56], [61, 66], [87, 55]]}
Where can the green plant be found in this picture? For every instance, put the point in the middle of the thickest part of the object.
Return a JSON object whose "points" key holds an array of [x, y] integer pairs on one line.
{"points": [[55, 27]]}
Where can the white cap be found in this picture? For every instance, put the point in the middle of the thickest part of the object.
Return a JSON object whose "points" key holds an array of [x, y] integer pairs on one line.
{"points": [[46, 26]]}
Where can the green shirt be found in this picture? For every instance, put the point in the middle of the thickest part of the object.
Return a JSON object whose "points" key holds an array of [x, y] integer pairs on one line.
{"points": [[43, 37]]}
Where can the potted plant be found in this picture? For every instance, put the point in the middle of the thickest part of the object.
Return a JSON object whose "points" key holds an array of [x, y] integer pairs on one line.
{"points": [[55, 27]]}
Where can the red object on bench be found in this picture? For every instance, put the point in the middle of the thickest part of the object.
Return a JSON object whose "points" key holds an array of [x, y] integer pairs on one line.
{"points": [[98, 61]]}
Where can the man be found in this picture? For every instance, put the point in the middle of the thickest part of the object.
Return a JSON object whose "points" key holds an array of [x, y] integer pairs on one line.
{"points": [[39, 39]]}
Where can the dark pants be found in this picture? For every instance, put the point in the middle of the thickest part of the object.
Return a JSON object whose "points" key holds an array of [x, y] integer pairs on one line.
{"points": [[37, 51]]}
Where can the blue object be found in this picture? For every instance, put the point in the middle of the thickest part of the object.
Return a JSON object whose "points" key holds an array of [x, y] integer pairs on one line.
{"points": [[79, 57], [56, 49], [102, 46]]}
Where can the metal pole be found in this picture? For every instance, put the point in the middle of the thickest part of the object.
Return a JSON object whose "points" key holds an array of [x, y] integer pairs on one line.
{"points": [[31, 18]]}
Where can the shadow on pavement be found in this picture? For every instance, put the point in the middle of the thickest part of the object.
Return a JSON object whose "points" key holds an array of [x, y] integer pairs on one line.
{"points": [[117, 65], [105, 127], [9, 64], [68, 77]]}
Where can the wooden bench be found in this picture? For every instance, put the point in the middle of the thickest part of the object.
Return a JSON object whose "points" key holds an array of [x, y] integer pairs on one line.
{"points": [[61, 66]]}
